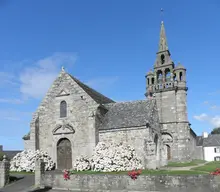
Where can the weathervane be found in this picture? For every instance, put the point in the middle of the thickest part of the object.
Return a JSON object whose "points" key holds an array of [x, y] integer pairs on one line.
{"points": [[161, 13]]}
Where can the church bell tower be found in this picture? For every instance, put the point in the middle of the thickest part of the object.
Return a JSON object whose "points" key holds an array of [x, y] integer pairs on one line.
{"points": [[167, 84]]}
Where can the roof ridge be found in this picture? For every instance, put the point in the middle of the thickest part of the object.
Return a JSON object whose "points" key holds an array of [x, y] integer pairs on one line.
{"points": [[134, 101], [102, 98]]}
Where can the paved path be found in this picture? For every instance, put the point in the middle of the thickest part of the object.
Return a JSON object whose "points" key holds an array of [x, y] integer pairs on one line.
{"points": [[25, 183], [21, 185]]}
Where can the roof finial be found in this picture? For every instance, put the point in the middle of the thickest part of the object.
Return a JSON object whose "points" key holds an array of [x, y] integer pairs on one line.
{"points": [[63, 70], [161, 13], [163, 40]]}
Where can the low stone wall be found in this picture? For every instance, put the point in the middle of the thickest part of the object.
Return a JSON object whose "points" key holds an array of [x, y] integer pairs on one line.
{"points": [[123, 183], [4, 172]]}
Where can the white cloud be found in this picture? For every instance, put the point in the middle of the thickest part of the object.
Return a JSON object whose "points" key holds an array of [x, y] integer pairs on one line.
{"points": [[36, 80], [101, 83], [214, 93], [12, 118], [202, 117], [206, 102], [11, 101], [214, 107], [7, 78], [13, 115], [36, 77], [213, 120]]}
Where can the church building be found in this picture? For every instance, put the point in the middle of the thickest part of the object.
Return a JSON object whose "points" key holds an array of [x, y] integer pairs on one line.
{"points": [[72, 118]]}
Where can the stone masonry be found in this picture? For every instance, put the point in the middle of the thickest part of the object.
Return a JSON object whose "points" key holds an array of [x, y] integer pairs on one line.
{"points": [[167, 84], [4, 172], [123, 183], [72, 118]]}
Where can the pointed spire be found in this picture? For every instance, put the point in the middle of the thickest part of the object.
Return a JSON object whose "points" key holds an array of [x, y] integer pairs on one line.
{"points": [[163, 40]]}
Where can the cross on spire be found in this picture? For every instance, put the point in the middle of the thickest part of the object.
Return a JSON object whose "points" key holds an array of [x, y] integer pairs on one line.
{"points": [[161, 13]]}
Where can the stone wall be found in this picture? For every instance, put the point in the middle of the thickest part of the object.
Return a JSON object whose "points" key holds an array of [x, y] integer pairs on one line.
{"points": [[123, 183], [27, 144], [173, 117], [142, 140], [39, 172], [80, 116], [198, 153], [4, 172]]}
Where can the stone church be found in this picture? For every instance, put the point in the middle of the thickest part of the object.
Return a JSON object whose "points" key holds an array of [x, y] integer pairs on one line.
{"points": [[73, 118]]}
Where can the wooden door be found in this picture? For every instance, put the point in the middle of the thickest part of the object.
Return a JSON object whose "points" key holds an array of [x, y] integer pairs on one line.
{"points": [[168, 152], [64, 154]]}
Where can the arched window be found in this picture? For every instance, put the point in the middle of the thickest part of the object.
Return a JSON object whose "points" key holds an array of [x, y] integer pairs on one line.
{"points": [[162, 57], [63, 109], [148, 81], [174, 77], [152, 80], [156, 143], [159, 76], [167, 74], [181, 76]]}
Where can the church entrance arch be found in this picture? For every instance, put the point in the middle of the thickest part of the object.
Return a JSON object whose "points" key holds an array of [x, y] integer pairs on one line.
{"points": [[168, 152], [167, 141], [64, 154]]}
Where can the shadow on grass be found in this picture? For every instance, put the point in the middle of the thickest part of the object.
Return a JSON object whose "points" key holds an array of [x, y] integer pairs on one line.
{"points": [[14, 179]]}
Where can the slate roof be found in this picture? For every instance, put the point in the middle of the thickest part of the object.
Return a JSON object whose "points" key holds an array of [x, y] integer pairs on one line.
{"points": [[98, 97], [199, 141], [179, 66], [128, 114], [11, 154], [212, 140]]}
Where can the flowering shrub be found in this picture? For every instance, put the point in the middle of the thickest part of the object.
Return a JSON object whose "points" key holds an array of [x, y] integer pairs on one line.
{"points": [[109, 157], [216, 172], [25, 161], [133, 174], [66, 174]]}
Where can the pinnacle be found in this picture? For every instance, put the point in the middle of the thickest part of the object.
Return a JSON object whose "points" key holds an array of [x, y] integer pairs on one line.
{"points": [[163, 40]]}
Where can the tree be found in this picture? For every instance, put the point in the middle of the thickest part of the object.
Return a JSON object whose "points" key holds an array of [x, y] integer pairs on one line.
{"points": [[2, 155], [27, 136], [216, 131]]}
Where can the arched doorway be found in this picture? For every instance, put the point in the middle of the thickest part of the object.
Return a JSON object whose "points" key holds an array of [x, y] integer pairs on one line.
{"points": [[157, 149], [64, 154], [156, 143], [168, 152]]}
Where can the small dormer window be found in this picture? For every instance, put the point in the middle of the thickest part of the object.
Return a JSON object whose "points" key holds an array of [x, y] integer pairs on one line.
{"points": [[162, 57], [63, 109]]}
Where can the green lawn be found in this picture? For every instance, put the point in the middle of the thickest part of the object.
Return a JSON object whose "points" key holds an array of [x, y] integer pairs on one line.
{"points": [[147, 172], [186, 164], [22, 172], [209, 167]]}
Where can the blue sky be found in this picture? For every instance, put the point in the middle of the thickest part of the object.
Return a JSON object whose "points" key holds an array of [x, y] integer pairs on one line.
{"points": [[110, 45]]}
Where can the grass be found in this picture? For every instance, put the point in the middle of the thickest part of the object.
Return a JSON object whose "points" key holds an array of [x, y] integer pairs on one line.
{"points": [[208, 167], [185, 164], [172, 172], [147, 172], [22, 172]]}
